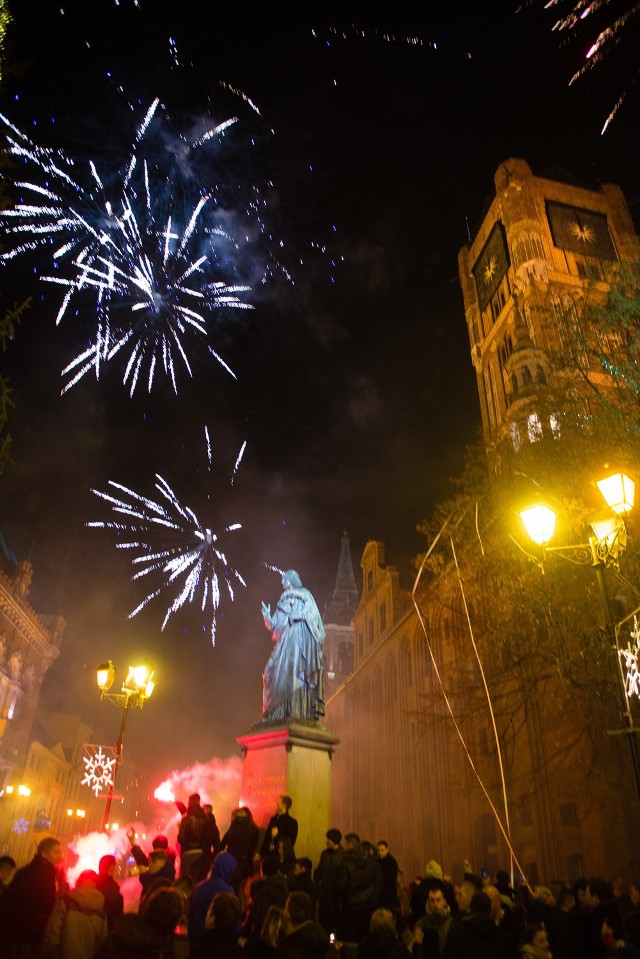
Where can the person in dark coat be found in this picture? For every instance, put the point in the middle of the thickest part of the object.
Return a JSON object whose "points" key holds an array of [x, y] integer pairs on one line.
{"points": [[148, 934], [7, 872], [281, 826], [433, 879], [224, 869], [264, 946], [327, 878], [382, 940], [192, 838], [389, 867], [302, 875], [304, 937], [157, 875], [360, 885], [474, 935], [602, 908], [241, 840], [158, 842], [107, 885], [270, 889], [26, 906], [220, 941], [211, 841]]}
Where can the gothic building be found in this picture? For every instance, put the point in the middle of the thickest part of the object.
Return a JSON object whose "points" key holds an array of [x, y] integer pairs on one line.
{"points": [[543, 247], [29, 644], [401, 771], [337, 618]]}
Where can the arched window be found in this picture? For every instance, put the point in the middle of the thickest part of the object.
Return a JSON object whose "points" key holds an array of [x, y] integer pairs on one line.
{"points": [[392, 680], [526, 376], [534, 428], [527, 247], [569, 331], [541, 375], [407, 669], [514, 382], [491, 410], [515, 436]]}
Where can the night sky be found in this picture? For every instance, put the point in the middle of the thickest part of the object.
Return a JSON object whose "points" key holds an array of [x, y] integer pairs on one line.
{"points": [[355, 391]]}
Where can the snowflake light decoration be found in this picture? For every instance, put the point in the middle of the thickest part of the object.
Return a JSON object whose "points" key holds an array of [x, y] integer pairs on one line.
{"points": [[20, 826], [631, 655], [98, 769]]}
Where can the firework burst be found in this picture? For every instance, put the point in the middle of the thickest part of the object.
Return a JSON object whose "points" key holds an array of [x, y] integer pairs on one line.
{"points": [[170, 543], [153, 246], [613, 20]]}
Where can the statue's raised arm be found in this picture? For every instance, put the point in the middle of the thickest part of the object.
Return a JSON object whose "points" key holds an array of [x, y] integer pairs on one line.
{"points": [[293, 676]]}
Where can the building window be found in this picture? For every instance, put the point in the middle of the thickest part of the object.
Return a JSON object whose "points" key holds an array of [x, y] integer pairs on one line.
{"points": [[526, 376], [534, 428], [345, 659], [568, 814], [392, 680], [407, 671], [515, 437], [554, 423], [588, 268], [527, 246], [383, 618], [540, 374], [370, 628], [569, 331]]}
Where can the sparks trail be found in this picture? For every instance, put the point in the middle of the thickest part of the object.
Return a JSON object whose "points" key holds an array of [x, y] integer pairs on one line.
{"points": [[170, 542], [160, 248], [578, 15], [354, 32]]}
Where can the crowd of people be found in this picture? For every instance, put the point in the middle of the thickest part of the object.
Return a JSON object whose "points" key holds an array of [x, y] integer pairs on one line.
{"points": [[232, 897]]}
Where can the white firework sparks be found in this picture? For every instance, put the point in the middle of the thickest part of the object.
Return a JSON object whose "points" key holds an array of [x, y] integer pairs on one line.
{"points": [[611, 33], [191, 556], [155, 268]]}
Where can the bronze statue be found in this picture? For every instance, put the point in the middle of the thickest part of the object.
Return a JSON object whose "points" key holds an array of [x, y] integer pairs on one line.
{"points": [[293, 676]]}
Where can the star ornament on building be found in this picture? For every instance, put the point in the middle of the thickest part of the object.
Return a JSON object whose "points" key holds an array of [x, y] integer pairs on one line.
{"points": [[631, 656], [98, 769], [582, 232]]}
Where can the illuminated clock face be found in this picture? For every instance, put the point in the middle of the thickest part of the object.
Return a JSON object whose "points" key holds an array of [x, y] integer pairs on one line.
{"points": [[580, 231], [491, 265]]}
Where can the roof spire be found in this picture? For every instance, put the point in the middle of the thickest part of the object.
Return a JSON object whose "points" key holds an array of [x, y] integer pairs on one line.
{"points": [[341, 609]]}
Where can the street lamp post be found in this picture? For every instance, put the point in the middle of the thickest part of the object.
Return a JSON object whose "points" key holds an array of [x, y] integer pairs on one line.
{"points": [[603, 550], [136, 689]]}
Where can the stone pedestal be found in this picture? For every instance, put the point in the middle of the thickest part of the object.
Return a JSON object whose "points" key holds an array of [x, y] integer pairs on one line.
{"points": [[290, 758]]}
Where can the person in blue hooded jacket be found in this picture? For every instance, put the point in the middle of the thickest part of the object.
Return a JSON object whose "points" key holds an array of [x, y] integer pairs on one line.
{"points": [[219, 880]]}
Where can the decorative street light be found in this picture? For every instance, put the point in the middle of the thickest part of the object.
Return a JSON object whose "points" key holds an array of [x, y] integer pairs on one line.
{"points": [[603, 550], [136, 689]]}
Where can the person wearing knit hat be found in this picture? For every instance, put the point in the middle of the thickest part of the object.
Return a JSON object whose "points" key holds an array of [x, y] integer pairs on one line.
{"points": [[433, 879], [327, 877]]}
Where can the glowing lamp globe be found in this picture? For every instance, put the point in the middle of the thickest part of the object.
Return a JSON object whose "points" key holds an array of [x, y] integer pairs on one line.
{"points": [[105, 676], [618, 491], [539, 522]]}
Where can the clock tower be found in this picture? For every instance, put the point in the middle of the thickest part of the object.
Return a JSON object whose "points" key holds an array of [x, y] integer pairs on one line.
{"points": [[543, 249]]}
